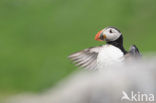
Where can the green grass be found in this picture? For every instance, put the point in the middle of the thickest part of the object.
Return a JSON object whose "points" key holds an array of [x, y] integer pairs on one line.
{"points": [[36, 36]]}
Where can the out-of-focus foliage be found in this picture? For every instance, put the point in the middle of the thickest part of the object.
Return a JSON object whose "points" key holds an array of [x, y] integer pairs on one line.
{"points": [[36, 36]]}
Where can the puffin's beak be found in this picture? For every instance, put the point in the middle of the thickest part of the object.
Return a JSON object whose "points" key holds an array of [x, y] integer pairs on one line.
{"points": [[100, 36]]}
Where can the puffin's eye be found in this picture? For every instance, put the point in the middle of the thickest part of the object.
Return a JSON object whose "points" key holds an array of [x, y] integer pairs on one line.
{"points": [[110, 31]]}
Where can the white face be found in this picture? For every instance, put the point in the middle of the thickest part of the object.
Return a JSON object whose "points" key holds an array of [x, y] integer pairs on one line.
{"points": [[111, 34]]}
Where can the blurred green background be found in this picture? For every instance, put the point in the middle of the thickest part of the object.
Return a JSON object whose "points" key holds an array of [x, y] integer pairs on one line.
{"points": [[36, 36]]}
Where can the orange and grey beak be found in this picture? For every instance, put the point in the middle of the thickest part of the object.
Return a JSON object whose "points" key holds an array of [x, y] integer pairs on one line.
{"points": [[100, 36]]}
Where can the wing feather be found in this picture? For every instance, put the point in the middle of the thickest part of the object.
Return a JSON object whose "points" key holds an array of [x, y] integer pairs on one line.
{"points": [[86, 58], [133, 53]]}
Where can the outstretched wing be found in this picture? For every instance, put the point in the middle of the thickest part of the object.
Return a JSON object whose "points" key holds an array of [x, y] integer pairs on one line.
{"points": [[133, 52], [86, 58]]}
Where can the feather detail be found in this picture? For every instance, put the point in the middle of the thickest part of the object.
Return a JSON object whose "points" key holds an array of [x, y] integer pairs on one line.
{"points": [[86, 58]]}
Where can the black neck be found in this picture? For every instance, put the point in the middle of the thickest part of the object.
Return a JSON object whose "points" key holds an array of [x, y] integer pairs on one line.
{"points": [[118, 43]]}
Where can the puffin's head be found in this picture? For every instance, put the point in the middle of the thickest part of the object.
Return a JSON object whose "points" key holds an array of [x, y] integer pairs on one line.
{"points": [[108, 34]]}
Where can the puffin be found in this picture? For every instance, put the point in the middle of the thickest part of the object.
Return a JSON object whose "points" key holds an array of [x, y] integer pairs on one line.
{"points": [[99, 57]]}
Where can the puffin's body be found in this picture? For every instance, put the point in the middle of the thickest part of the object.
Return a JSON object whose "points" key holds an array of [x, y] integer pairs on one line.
{"points": [[106, 55], [109, 55]]}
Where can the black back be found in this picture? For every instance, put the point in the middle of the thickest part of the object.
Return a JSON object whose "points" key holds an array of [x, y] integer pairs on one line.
{"points": [[118, 43]]}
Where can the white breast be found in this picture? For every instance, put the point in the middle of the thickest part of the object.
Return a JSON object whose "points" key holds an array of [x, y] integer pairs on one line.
{"points": [[108, 56]]}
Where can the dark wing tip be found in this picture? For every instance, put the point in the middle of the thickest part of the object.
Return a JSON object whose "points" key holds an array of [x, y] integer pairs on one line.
{"points": [[134, 51]]}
